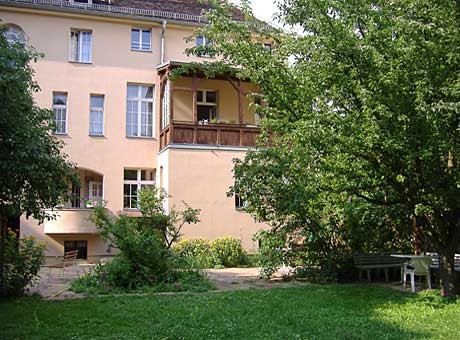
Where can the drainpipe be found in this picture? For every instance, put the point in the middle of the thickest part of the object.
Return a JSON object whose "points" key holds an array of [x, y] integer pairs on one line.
{"points": [[162, 47]]}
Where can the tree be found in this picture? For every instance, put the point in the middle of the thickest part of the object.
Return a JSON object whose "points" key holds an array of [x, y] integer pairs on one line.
{"points": [[35, 175], [362, 106]]}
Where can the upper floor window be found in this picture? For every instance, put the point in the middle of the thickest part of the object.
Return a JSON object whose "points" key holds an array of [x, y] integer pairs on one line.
{"points": [[80, 46], [141, 39], [203, 42], [96, 115], [139, 111], [239, 202], [60, 112], [268, 47], [14, 34], [134, 180], [206, 105]]}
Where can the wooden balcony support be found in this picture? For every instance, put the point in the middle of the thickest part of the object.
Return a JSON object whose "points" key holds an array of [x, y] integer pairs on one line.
{"points": [[210, 134]]}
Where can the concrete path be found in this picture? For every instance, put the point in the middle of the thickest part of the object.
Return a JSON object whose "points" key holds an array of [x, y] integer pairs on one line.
{"points": [[55, 283], [245, 278]]}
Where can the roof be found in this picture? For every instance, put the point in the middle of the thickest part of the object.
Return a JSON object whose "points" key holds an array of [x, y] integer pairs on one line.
{"points": [[193, 7], [177, 10]]}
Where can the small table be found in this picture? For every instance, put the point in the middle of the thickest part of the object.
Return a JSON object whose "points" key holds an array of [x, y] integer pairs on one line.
{"points": [[416, 261]]}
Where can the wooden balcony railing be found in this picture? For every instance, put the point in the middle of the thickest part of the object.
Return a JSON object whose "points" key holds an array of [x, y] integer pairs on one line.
{"points": [[209, 134]]}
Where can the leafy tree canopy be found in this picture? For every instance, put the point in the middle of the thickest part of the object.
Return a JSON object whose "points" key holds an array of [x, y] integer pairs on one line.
{"points": [[361, 106], [35, 175]]}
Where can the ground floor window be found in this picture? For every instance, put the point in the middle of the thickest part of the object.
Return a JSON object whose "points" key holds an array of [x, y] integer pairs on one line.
{"points": [[80, 245], [134, 181]]}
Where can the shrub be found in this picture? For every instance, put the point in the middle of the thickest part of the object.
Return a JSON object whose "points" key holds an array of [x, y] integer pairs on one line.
{"points": [[270, 256], [196, 253], [222, 252], [23, 258], [228, 251]]}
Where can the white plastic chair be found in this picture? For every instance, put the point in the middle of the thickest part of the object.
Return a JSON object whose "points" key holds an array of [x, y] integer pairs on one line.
{"points": [[420, 267]]}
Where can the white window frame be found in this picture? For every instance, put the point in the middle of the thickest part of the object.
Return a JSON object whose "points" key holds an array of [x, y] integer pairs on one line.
{"points": [[79, 57], [96, 109], [141, 30], [205, 42], [93, 200], [206, 103], [139, 183], [165, 112], [59, 107], [240, 204], [268, 47], [140, 101], [14, 34]]}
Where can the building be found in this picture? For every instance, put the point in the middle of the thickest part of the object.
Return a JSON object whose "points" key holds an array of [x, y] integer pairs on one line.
{"points": [[125, 124]]}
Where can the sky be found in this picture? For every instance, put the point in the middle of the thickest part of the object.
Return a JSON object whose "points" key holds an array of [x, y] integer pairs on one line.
{"points": [[263, 9]]}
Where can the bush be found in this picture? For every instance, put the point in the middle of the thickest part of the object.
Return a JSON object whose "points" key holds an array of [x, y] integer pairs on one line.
{"points": [[196, 253], [228, 252], [222, 252], [120, 276], [23, 258], [270, 256]]}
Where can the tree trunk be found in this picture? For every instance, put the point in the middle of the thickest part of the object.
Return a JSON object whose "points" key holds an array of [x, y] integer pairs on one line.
{"points": [[446, 272], [3, 225]]}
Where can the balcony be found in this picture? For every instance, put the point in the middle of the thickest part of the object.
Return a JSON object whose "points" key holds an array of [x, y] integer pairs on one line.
{"points": [[209, 134], [71, 221]]}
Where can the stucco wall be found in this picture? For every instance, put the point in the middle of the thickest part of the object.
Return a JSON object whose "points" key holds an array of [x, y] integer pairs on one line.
{"points": [[202, 178]]}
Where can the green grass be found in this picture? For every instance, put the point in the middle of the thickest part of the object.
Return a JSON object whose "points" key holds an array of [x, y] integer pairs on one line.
{"points": [[309, 312]]}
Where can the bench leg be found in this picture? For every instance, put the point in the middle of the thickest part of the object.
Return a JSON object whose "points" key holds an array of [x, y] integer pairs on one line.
{"points": [[369, 275], [386, 274]]}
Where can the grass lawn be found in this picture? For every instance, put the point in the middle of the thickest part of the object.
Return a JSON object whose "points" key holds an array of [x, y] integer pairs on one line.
{"points": [[309, 312]]}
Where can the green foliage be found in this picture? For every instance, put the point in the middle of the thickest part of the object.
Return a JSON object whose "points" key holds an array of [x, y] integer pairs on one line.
{"points": [[119, 276], [363, 108], [222, 252], [310, 312], [228, 251], [35, 174], [197, 253], [23, 258], [145, 260], [270, 252]]}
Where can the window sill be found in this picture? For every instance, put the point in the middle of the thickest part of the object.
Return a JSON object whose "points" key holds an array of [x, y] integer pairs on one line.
{"points": [[96, 136], [61, 134], [80, 62], [145, 51], [141, 137]]}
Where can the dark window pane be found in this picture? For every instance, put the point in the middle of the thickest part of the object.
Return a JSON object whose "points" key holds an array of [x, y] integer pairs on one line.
{"points": [[211, 97], [130, 175], [199, 96]]}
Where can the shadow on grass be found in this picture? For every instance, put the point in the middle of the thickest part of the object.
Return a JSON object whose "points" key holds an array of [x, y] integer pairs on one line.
{"points": [[308, 312]]}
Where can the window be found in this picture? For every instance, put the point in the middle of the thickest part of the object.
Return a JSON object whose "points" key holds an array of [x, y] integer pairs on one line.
{"points": [[268, 47], [60, 112], [239, 202], [139, 111], [14, 34], [96, 115], [203, 44], [141, 39], [165, 107], [134, 181], [75, 198], [81, 246], [206, 105], [80, 46]]}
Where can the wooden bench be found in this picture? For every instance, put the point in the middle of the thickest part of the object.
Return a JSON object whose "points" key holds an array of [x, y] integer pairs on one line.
{"points": [[435, 263], [67, 261], [367, 262]]}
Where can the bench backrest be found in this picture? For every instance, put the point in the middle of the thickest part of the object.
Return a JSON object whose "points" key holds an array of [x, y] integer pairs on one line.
{"points": [[375, 259], [70, 256]]}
